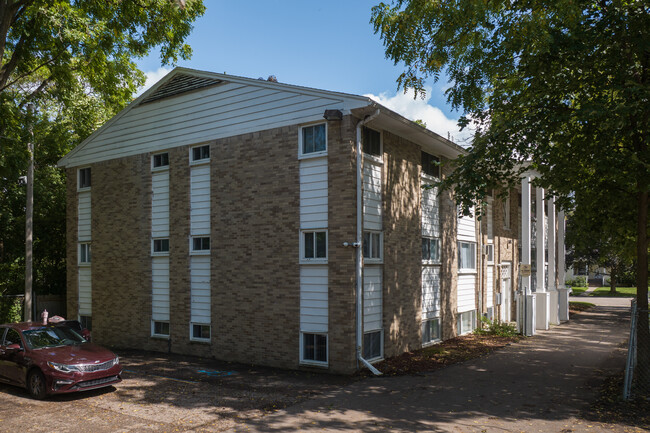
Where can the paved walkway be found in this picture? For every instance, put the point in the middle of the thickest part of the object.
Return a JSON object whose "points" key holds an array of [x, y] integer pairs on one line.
{"points": [[542, 384]]}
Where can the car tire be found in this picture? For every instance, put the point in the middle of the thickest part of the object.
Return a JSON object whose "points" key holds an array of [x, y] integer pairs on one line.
{"points": [[36, 385]]}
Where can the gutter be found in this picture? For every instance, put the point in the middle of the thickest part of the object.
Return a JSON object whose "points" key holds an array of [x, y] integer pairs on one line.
{"points": [[359, 264]]}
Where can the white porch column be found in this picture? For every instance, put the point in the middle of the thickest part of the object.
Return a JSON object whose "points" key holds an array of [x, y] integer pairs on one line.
{"points": [[553, 318], [526, 300], [563, 293], [541, 294]]}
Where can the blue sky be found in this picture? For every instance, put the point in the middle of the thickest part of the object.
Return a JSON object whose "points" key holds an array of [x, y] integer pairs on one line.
{"points": [[327, 45]]}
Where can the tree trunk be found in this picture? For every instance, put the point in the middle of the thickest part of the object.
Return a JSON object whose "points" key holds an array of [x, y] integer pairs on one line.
{"points": [[612, 279], [643, 327]]}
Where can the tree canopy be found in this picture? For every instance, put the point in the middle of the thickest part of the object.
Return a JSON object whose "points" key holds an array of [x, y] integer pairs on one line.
{"points": [[75, 62], [557, 85]]}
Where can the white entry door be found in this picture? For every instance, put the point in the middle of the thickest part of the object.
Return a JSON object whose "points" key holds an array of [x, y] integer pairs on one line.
{"points": [[506, 292]]}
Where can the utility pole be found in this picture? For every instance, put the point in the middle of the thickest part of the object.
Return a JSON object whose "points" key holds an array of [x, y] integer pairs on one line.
{"points": [[29, 223]]}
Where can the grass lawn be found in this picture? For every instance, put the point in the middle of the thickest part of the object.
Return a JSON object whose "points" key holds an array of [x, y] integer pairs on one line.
{"points": [[578, 307], [621, 292], [577, 291]]}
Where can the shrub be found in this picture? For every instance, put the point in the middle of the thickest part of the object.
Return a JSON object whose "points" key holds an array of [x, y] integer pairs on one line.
{"points": [[576, 282], [11, 309], [496, 328]]}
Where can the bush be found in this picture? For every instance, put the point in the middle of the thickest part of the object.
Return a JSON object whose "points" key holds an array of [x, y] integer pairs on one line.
{"points": [[576, 282], [11, 309], [496, 328]]}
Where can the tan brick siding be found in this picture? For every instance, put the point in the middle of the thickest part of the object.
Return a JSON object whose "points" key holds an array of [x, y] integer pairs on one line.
{"points": [[71, 222], [448, 258]]}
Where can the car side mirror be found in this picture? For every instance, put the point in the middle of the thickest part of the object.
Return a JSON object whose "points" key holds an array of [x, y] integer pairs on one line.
{"points": [[13, 348]]}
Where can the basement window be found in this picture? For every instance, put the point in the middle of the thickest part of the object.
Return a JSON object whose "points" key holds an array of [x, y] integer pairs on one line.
{"points": [[466, 322], [430, 331], [86, 322], [200, 332], [314, 348], [160, 329], [372, 345]]}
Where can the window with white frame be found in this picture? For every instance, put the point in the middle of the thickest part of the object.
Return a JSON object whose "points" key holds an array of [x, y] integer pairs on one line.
{"points": [[200, 244], [314, 348], [372, 248], [466, 256], [84, 252], [430, 165], [84, 178], [430, 331], [371, 142], [430, 250], [160, 160], [200, 153], [372, 345], [489, 252], [506, 212], [313, 139], [160, 328], [466, 322], [86, 322], [161, 246], [314, 245], [200, 331]]}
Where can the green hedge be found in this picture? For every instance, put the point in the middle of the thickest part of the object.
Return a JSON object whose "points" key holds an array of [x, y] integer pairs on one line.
{"points": [[11, 309]]}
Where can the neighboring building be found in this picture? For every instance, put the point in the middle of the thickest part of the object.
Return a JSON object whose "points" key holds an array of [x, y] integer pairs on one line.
{"points": [[234, 218]]}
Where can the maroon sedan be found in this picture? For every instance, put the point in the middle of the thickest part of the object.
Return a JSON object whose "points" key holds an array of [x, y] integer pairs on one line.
{"points": [[48, 359]]}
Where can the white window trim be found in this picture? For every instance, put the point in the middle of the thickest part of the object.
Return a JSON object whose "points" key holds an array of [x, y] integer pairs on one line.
{"points": [[153, 327], [466, 270], [312, 362], [199, 340], [472, 326], [79, 262], [381, 345], [380, 260], [302, 155], [85, 188], [194, 252], [317, 260], [433, 262], [437, 340], [200, 161], [487, 258], [377, 159], [159, 253], [162, 167]]}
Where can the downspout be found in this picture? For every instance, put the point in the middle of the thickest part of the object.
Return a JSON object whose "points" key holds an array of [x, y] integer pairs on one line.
{"points": [[359, 264], [482, 257]]}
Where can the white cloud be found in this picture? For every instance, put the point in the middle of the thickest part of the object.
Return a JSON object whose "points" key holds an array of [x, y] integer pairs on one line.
{"points": [[152, 78], [414, 109]]}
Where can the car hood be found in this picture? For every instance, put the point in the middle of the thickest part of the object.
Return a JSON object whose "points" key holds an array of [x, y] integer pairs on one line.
{"points": [[86, 353]]}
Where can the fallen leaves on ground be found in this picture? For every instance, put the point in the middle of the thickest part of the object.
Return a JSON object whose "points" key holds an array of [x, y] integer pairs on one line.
{"points": [[611, 408]]}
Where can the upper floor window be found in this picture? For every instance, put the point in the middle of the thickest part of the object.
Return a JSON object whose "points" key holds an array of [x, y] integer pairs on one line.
{"points": [[84, 253], [160, 160], [200, 153], [200, 244], [431, 250], [84, 177], [506, 212], [430, 165], [313, 139], [489, 252], [314, 246], [371, 142], [372, 246], [161, 246], [466, 256]]}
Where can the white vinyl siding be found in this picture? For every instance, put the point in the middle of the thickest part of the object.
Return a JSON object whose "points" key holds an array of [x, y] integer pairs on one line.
{"points": [[313, 299], [232, 108], [372, 298], [160, 288], [313, 193], [85, 291], [200, 200], [430, 212], [372, 195], [466, 292], [160, 204], [83, 215], [430, 292], [489, 292], [467, 228], [200, 289]]}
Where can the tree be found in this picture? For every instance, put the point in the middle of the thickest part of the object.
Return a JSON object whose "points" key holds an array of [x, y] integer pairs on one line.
{"points": [[561, 85], [74, 60]]}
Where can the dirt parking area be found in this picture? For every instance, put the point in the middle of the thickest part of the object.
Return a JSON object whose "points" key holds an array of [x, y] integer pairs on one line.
{"points": [[166, 393]]}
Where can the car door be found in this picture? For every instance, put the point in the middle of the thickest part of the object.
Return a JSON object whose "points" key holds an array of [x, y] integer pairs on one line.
{"points": [[12, 362]]}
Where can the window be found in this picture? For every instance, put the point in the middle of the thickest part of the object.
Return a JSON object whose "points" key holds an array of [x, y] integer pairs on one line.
{"points": [[506, 212], [160, 160], [371, 142], [200, 332], [430, 331], [372, 245], [431, 250], [161, 246], [200, 244], [489, 252], [313, 139], [84, 253], [314, 347], [161, 328], [84, 177], [430, 165], [314, 245], [86, 322], [372, 345], [490, 313], [200, 153], [466, 255], [12, 337], [466, 322]]}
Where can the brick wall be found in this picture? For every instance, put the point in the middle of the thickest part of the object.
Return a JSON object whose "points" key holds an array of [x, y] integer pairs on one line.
{"points": [[71, 220], [506, 244], [449, 258]]}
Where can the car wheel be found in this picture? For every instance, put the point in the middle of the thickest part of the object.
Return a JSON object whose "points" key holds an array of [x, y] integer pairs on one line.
{"points": [[36, 384]]}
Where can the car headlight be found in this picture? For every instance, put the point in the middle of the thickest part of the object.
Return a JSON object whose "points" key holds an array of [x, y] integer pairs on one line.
{"points": [[116, 360], [63, 367]]}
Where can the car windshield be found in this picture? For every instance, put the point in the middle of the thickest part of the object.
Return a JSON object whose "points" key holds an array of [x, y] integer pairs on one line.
{"points": [[52, 336]]}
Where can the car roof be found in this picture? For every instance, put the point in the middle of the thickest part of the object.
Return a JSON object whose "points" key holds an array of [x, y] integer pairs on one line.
{"points": [[24, 326]]}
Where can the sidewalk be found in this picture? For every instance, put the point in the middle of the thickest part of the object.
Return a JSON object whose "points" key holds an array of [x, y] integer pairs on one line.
{"points": [[542, 384]]}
